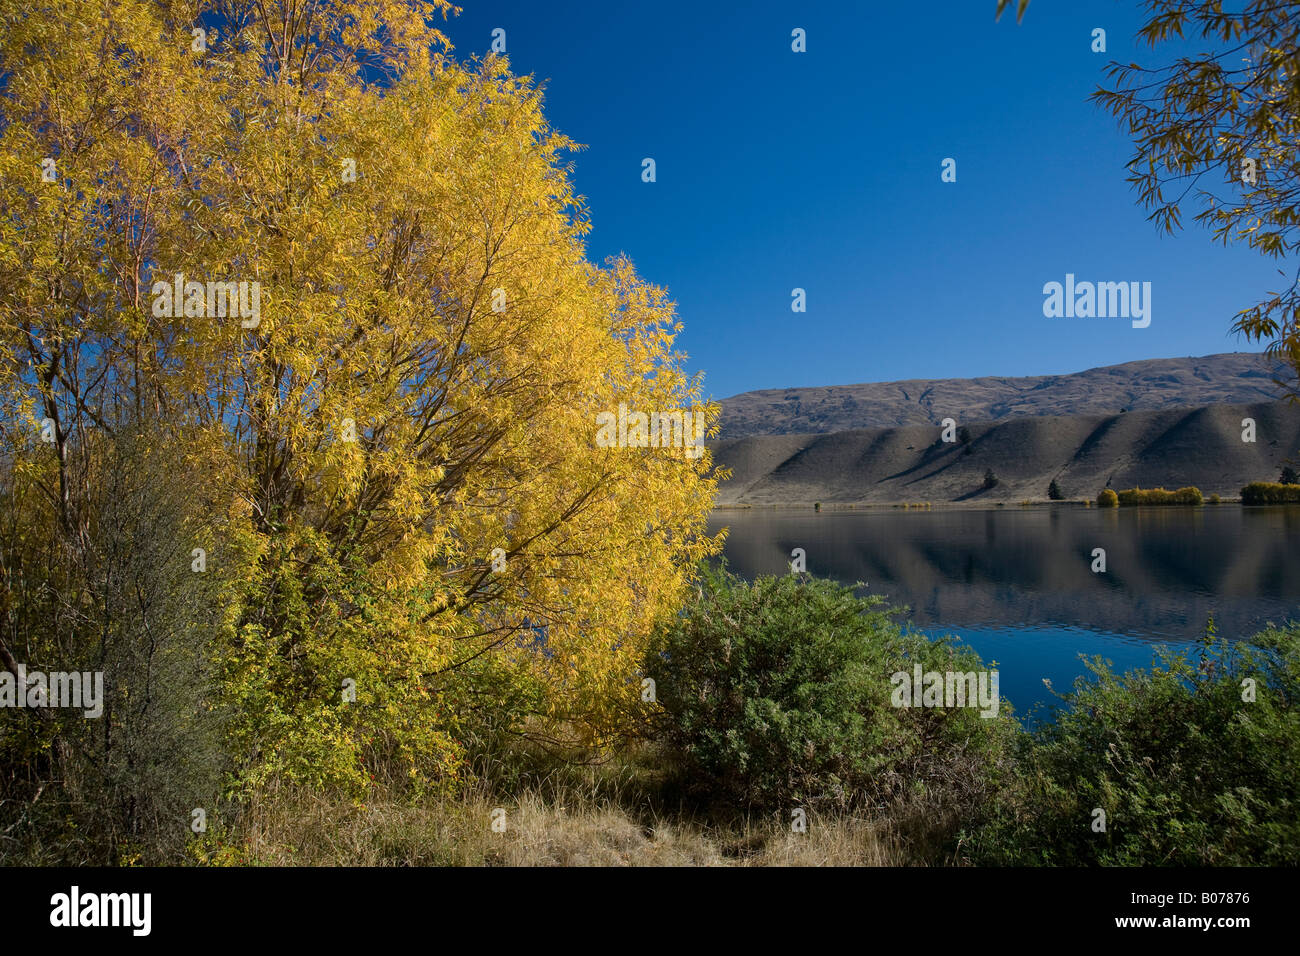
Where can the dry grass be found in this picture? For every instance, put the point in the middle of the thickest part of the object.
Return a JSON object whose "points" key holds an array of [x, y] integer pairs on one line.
{"points": [[625, 811], [571, 829]]}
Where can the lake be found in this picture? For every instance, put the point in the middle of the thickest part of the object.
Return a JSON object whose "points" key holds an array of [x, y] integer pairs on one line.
{"points": [[1016, 583]]}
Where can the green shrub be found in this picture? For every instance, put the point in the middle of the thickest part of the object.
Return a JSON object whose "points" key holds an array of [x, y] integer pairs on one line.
{"points": [[1289, 476], [1054, 492], [1160, 496], [118, 596], [1215, 500], [1188, 773], [1270, 493], [990, 479], [1107, 499], [779, 692]]}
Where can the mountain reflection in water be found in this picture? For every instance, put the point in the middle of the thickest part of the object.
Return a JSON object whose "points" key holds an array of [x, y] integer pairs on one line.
{"points": [[1016, 582]]}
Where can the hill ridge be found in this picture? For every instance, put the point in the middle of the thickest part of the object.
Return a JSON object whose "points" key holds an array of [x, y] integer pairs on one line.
{"points": [[1142, 385]]}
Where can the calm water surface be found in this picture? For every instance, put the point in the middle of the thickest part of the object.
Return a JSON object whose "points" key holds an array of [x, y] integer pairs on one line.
{"points": [[1016, 583]]}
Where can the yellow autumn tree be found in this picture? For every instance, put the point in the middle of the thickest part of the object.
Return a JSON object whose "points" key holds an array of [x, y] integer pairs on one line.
{"points": [[305, 250]]}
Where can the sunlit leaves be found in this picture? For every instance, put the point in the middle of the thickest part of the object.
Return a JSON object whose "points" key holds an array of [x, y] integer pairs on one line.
{"points": [[383, 426], [1194, 122]]}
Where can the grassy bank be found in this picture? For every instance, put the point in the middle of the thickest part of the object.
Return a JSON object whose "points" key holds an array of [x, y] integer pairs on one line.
{"points": [[577, 824], [778, 739], [777, 731]]}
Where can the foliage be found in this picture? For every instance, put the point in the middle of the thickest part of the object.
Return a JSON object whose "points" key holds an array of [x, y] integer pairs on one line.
{"points": [[1270, 493], [1160, 496], [1054, 492], [113, 591], [1107, 499], [990, 479], [419, 389], [1021, 6], [1187, 770], [778, 692], [1214, 130], [1289, 476]]}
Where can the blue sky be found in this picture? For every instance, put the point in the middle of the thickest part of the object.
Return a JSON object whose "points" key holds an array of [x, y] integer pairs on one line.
{"points": [[821, 170]]}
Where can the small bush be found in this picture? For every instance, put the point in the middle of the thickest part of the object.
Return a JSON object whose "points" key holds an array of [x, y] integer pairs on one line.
{"points": [[1215, 500], [1270, 493], [1054, 492], [990, 479], [1160, 496], [1107, 499], [778, 693], [1187, 772], [1289, 476]]}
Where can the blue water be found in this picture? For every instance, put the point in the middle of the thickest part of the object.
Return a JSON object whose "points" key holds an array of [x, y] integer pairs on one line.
{"points": [[1016, 584], [1025, 656]]}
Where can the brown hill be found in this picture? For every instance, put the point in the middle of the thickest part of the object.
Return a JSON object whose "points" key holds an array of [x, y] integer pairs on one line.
{"points": [[1084, 453], [1229, 378]]}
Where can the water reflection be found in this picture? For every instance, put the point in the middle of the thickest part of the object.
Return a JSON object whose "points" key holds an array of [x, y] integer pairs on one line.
{"points": [[1016, 583]]}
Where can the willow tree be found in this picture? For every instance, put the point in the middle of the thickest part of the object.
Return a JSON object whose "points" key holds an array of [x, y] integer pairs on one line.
{"points": [[388, 346], [1214, 133]]}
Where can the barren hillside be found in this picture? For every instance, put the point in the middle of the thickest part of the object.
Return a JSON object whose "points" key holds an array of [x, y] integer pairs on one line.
{"points": [[1170, 447], [1229, 378]]}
